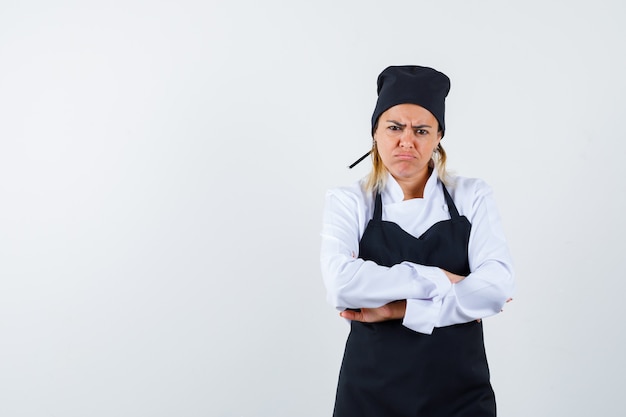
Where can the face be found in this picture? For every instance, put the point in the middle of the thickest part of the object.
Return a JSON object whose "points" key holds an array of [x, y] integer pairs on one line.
{"points": [[406, 136]]}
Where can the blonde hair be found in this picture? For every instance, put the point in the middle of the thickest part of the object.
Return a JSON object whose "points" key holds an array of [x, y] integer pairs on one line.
{"points": [[377, 177]]}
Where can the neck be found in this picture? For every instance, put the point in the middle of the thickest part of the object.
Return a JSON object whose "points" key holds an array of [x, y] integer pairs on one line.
{"points": [[414, 187]]}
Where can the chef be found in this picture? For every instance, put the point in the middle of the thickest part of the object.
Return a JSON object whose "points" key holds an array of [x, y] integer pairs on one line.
{"points": [[414, 258]]}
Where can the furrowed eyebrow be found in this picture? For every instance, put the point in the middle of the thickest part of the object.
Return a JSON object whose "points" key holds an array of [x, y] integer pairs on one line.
{"points": [[414, 127]]}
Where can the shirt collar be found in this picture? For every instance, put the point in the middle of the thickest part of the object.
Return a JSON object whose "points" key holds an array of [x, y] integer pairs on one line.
{"points": [[394, 194]]}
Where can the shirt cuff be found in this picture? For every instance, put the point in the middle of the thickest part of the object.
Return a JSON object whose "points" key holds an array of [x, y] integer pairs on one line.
{"points": [[421, 315], [434, 275]]}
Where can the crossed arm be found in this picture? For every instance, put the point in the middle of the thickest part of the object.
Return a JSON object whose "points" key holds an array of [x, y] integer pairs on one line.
{"points": [[424, 297], [391, 311]]}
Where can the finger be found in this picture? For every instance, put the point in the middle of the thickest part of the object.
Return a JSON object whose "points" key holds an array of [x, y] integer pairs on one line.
{"points": [[352, 315], [346, 314]]}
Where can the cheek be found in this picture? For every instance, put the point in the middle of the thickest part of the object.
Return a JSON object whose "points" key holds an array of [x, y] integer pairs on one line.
{"points": [[384, 150], [430, 146]]}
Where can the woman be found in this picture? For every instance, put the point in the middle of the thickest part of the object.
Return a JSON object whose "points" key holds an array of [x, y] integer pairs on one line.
{"points": [[414, 259]]}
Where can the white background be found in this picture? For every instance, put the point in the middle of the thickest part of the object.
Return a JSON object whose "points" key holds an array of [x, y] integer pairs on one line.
{"points": [[162, 175]]}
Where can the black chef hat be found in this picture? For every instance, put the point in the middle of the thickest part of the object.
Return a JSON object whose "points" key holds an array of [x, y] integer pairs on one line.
{"points": [[413, 84], [423, 86]]}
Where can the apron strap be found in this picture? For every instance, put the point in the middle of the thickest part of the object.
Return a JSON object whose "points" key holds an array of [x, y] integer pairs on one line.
{"points": [[454, 213], [378, 208]]}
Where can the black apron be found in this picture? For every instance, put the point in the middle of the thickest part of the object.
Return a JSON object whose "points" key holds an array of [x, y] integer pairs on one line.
{"points": [[391, 371]]}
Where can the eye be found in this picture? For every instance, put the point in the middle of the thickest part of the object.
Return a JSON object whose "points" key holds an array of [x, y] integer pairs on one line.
{"points": [[394, 128], [421, 132]]}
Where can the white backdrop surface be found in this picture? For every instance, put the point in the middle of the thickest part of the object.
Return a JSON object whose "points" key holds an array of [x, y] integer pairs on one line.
{"points": [[162, 173]]}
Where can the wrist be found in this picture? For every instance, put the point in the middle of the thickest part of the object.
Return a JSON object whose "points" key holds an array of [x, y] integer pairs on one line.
{"points": [[399, 309]]}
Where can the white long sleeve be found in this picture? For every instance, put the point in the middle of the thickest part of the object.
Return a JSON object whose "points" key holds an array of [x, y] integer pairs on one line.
{"points": [[432, 301]]}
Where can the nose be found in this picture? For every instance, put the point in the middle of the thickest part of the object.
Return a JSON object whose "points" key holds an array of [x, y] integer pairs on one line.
{"points": [[406, 139]]}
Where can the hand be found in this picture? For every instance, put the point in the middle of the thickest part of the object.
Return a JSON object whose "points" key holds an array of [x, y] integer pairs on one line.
{"points": [[508, 301], [454, 278], [392, 311]]}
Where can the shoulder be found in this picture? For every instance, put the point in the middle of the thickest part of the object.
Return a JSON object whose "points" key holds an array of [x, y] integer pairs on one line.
{"points": [[351, 200], [459, 184], [466, 190], [354, 193]]}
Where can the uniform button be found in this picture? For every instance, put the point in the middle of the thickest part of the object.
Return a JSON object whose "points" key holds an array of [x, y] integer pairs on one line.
{"points": [[444, 207]]}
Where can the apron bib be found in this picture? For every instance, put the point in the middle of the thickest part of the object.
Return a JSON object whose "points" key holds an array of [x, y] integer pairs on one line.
{"points": [[389, 370]]}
